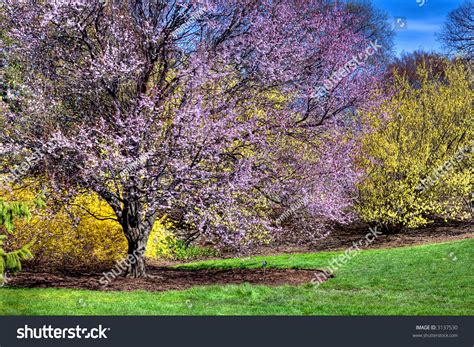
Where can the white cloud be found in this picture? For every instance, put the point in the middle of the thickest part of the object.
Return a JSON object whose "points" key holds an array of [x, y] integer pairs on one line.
{"points": [[422, 26]]}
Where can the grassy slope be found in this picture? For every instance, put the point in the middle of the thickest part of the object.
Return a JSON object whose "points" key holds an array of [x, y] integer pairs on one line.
{"points": [[421, 280]]}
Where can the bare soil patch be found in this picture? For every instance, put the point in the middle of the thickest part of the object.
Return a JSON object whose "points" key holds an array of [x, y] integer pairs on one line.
{"points": [[161, 279]]}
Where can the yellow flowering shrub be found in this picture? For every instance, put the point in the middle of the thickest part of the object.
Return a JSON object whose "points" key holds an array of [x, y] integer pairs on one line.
{"points": [[162, 241], [418, 154], [163, 244], [72, 237]]}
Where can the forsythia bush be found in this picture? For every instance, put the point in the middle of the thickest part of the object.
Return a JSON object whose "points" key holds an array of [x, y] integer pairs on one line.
{"points": [[161, 241], [71, 237], [418, 151]]}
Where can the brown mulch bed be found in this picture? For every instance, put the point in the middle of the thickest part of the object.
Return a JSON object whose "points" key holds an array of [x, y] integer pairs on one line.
{"points": [[343, 237], [161, 279]]}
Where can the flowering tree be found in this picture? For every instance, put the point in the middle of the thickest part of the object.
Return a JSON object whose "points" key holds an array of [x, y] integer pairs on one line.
{"points": [[183, 108]]}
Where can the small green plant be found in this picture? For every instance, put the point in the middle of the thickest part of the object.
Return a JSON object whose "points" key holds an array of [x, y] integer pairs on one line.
{"points": [[182, 252], [10, 211], [11, 261]]}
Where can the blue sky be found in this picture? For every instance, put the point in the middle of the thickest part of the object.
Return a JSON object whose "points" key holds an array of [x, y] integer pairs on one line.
{"points": [[422, 22]]}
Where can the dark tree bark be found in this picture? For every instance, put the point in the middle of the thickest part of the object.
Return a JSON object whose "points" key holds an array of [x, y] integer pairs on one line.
{"points": [[137, 226], [137, 222], [137, 237]]}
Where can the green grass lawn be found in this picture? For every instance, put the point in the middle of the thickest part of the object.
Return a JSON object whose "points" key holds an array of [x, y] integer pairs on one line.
{"points": [[435, 279]]}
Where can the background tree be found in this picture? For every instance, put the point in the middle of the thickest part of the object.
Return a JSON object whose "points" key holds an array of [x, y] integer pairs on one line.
{"points": [[407, 65], [169, 107], [458, 31]]}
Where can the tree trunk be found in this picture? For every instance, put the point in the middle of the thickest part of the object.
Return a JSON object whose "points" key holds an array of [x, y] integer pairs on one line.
{"points": [[137, 225], [136, 257], [137, 237]]}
